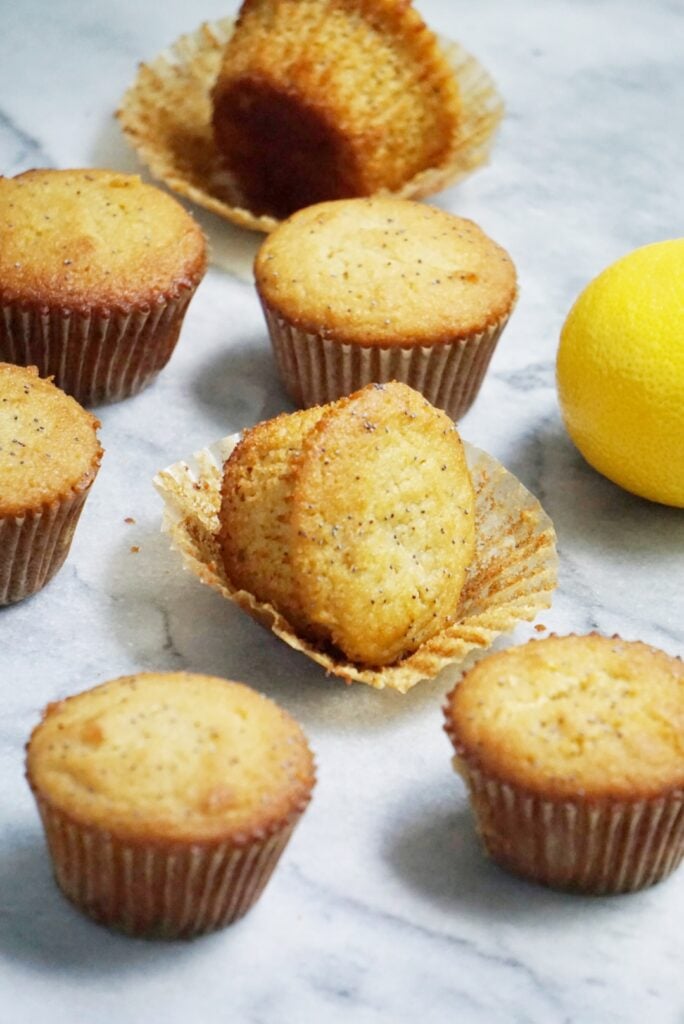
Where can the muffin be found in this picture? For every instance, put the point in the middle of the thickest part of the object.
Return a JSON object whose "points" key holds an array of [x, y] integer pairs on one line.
{"points": [[381, 289], [356, 521], [96, 273], [49, 457], [572, 753], [330, 99], [167, 799]]}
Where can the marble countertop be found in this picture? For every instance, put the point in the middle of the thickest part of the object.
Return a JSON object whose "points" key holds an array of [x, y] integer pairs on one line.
{"points": [[383, 908]]}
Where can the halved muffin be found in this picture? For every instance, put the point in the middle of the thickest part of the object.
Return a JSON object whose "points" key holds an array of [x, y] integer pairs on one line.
{"points": [[365, 529]]}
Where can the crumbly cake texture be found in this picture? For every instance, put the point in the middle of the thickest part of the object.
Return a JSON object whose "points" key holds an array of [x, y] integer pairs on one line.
{"points": [[48, 443], [592, 715], [382, 523], [325, 99], [385, 271], [167, 799], [571, 751], [166, 115], [256, 499], [94, 239], [172, 757], [510, 579], [96, 273]]}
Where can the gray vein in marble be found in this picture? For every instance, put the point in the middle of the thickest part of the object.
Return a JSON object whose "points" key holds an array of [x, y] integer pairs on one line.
{"points": [[25, 149], [360, 909]]}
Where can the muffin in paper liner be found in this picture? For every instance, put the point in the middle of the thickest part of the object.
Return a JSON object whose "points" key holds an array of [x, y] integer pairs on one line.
{"points": [[159, 890], [96, 273], [510, 580], [33, 547], [600, 847], [317, 369], [166, 115], [200, 856], [96, 356], [571, 762], [50, 455]]}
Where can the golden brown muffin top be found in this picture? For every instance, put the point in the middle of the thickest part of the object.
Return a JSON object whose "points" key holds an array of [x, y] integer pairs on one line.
{"points": [[92, 238], [575, 716], [385, 272], [382, 523], [48, 442], [172, 756]]}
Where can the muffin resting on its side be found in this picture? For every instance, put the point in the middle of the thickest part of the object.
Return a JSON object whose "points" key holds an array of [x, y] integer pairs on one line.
{"points": [[355, 521], [381, 289], [96, 273], [49, 457], [327, 99], [571, 749], [167, 798]]}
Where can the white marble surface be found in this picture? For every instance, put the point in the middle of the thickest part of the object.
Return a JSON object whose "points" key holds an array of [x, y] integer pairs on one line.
{"points": [[383, 909]]}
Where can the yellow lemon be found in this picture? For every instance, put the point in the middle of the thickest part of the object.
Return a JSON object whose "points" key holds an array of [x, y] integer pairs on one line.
{"points": [[620, 372]]}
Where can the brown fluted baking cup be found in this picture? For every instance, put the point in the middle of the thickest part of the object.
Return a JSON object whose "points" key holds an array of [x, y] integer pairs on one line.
{"points": [[166, 115], [94, 357], [33, 547], [510, 580], [317, 369], [596, 847], [161, 890]]}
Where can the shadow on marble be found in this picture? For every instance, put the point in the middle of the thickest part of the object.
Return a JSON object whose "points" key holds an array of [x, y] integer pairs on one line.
{"points": [[586, 506], [438, 855], [171, 621], [39, 926], [241, 385]]}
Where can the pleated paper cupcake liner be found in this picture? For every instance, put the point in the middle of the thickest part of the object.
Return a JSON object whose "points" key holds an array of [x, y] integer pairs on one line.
{"points": [[601, 847], [166, 116], [510, 580], [317, 369], [95, 357], [162, 889], [33, 547]]}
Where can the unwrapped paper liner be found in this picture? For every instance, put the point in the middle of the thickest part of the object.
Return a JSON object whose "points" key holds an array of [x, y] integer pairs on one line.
{"points": [[510, 580], [166, 116]]}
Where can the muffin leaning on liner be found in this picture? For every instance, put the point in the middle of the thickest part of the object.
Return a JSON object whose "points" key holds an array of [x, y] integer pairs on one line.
{"points": [[571, 751], [299, 525], [381, 289], [49, 458], [328, 99], [96, 273], [167, 799], [355, 520], [167, 112]]}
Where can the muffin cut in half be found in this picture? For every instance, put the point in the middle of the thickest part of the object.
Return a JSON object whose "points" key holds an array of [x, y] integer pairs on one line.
{"points": [[167, 798], [96, 273], [49, 458], [380, 289], [571, 748], [356, 521], [325, 99]]}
